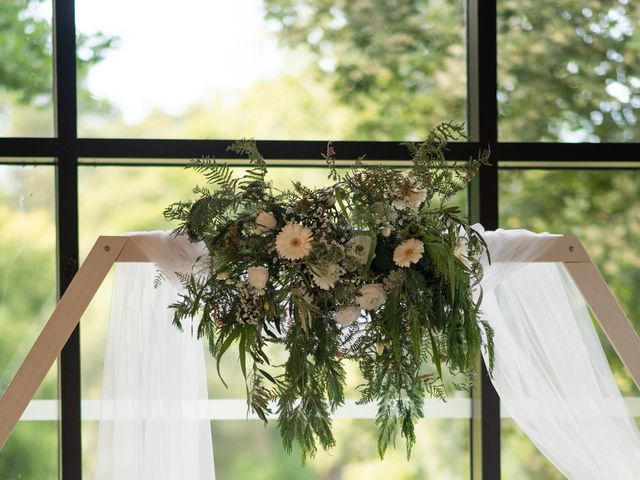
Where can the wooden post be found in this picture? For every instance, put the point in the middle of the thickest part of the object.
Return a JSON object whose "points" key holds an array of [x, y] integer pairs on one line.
{"points": [[599, 298], [609, 314], [56, 331]]}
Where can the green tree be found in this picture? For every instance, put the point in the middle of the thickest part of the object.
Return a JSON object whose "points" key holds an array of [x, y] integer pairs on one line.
{"points": [[567, 69], [400, 63], [27, 296], [26, 50]]}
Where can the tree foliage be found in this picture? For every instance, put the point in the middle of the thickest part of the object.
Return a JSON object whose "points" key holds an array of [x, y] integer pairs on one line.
{"points": [[567, 70], [26, 50], [401, 62]]}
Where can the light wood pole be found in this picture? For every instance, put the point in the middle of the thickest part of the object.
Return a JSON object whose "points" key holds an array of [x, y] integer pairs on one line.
{"points": [[109, 250]]}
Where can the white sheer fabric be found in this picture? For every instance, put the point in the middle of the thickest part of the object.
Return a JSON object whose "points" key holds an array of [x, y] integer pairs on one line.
{"points": [[550, 370], [153, 421]]}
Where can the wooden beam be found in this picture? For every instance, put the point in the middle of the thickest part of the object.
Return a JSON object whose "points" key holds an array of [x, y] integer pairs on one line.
{"points": [[564, 250], [610, 316], [625, 340], [556, 249], [132, 251], [56, 332]]}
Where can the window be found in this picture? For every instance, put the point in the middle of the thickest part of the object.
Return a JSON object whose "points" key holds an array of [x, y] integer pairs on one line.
{"points": [[271, 69], [598, 207], [26, 73], [102, 103], [27, 293], [578, 58]]}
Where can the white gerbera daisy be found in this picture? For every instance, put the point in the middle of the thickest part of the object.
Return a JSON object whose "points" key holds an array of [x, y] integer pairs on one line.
{"points": [[326, 277], [294, 241], [408, 252]]}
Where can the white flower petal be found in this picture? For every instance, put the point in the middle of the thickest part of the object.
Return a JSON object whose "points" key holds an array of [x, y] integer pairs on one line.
{"points": [[359, 246], [326, 277]]}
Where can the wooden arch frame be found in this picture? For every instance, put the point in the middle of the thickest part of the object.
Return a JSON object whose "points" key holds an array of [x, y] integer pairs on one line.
{"points": [[109, 249]]}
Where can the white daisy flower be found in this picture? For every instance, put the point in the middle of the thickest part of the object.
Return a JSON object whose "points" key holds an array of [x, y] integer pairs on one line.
{"points": [[359, 246], [408, 252], [294, 241]]}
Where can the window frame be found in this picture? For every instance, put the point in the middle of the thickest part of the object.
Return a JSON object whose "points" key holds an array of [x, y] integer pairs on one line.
{"points": [[482, 113]]}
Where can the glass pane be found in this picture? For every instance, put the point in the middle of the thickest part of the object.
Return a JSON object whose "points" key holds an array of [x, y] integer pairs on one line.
{"points": [[26, 75], [279, 70], [568, 71], [521, 459], [27, 298], [119, 199], [441, 452], [31, 453], [601, 208]]}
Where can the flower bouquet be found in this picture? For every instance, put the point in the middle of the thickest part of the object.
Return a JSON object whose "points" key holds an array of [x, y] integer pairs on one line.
{"points": [[376, 269]]}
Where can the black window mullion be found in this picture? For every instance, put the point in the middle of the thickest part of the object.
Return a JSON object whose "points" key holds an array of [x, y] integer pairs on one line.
{"points": [[483, 207], [294, 150], [64, 57]]}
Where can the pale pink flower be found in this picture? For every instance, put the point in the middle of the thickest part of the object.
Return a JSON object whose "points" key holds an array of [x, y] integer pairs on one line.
{"points": [[347, 315], [372, 296], [257, 277], [265, 222]]}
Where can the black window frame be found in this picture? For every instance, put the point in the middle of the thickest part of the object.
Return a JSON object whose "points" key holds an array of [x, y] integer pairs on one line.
{"points": [[482, 108]]}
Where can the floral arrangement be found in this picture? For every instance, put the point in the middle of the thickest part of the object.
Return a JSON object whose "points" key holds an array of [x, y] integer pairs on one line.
{"points": [[375, 269]]}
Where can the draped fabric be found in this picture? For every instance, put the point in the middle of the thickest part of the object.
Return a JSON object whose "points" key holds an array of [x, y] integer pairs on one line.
{"points": [[550, 369], [154, 423]]}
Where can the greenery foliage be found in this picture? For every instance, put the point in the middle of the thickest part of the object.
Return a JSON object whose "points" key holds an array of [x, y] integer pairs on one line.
{"points": [[373, 268]]}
